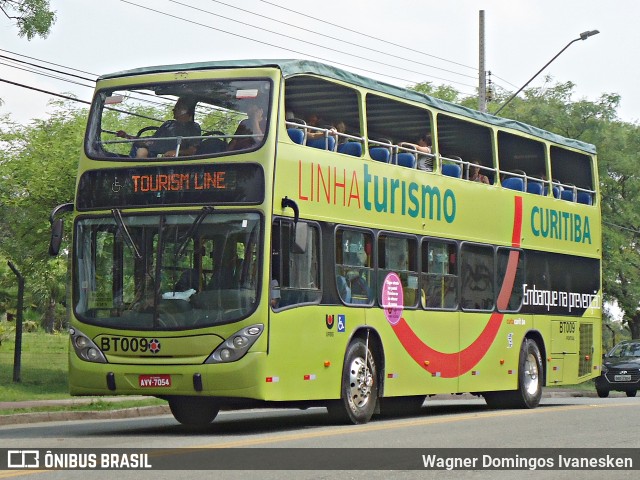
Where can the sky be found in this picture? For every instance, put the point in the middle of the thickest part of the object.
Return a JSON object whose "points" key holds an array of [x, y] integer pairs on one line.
{"points": [[402, 42]]}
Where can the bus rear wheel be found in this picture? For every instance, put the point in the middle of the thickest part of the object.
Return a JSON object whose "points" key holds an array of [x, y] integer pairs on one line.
{"points": [[529, 390], [193, 412], [359, 386]]}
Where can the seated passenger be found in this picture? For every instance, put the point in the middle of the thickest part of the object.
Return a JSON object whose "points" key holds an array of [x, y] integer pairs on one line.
{"points": [[423, 146], [183, 125], [475, 175], [313, 120], [250, 130]]}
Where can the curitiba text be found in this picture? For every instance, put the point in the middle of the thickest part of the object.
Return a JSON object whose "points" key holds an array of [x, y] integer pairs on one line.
{"points": [[559, 225]]}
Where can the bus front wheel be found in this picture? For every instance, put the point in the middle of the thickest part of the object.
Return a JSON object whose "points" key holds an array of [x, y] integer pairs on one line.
{"points": [[529, 390], [359, 386], [193, 412]]}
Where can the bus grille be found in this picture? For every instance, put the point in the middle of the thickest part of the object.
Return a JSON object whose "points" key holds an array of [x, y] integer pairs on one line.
{"points": [[586, 350]]}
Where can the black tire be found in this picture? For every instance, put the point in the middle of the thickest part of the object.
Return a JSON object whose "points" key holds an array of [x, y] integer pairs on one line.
{"points": [[401, 406], [602, 392], [631, 393], [529, 390], [359, 386], [194, 412]]}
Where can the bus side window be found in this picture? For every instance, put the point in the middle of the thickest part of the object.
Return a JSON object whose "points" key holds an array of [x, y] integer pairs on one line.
{"points": [[439, 277], [477, 277], [398, 255], [297, 274], [515, 299], [354, 266]]}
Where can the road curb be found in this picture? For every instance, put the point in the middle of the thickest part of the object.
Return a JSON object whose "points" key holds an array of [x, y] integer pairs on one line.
{"points": [[37, 417]]}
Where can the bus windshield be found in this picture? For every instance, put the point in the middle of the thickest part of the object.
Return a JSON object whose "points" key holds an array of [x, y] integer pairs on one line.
{"points": [[165, 272], [179, 119]]}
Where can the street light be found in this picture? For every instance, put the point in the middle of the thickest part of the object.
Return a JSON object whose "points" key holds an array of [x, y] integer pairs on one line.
{"points": [[583, 36]]}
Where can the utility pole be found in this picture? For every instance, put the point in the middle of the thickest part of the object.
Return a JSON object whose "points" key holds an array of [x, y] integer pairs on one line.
{"points": [[482, 73]]}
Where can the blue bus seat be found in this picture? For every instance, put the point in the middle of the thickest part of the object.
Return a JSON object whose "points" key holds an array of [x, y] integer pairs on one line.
{"points": [[535, 188], [325, 143], [351, 148], [585, 197], [555, 190], [452, 170], [513, 183], [296, 135], [380, 154], [405, 159], [567, 195]]}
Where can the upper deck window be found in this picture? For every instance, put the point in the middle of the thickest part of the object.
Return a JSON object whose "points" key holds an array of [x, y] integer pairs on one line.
{"points": [[463, 143], [573, 175], [315, 106], [180, 119]]}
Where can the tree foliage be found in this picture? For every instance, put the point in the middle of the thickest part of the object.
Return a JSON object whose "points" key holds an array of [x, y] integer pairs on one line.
{"points": [[38, 166], [553, 108], [32, 17]]}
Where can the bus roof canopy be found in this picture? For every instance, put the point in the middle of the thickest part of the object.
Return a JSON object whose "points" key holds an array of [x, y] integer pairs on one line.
{"points": [[300, 67]]}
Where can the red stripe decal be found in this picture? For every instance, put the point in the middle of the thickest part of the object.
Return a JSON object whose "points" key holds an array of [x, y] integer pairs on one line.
{"points": [[451, 365]]}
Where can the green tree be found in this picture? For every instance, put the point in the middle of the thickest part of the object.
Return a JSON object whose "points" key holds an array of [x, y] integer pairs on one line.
{"points": [[443, 92], [38, 165], [32, 17], [553, 108]]}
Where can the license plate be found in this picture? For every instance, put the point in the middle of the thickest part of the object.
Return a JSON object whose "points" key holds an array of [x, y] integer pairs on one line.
{"points": [[622, 378], [154, 381]]}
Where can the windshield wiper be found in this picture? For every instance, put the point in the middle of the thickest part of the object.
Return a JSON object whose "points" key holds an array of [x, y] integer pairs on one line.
{"points": [[192, 229], [122, 228]]}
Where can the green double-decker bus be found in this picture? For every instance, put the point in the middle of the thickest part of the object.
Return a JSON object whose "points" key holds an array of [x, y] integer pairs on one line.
{"points": [[300, 235]]}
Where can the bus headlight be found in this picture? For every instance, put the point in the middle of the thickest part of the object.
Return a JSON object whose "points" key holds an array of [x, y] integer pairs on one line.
{"points": [[85, 348], [237, 345]]}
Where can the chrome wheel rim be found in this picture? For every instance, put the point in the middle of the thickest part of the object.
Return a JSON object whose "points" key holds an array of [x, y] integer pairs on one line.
{"points": [[360, 383], [531, 375]]}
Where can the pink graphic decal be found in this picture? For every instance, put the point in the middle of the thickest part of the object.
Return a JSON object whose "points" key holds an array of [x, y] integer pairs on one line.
{"points": [[392, 298]]}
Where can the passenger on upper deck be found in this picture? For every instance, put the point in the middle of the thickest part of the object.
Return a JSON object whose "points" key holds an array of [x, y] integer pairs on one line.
{"points": [[475, 175], [254, 125], [313, 120], [183, 125], [423, 147]]}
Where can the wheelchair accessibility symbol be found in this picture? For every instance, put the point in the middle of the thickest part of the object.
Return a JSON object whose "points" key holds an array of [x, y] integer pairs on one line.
{"points": [[342, 323]]}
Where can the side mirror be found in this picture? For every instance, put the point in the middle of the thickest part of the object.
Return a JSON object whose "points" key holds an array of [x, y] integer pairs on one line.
{"points": [[57, 229]]}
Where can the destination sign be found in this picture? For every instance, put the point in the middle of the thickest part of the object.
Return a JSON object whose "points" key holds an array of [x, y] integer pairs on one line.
{"points": [[171, 185]]}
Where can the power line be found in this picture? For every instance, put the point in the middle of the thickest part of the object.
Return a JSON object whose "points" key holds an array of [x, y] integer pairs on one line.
{"points": [[49, 63], [379, 40], [342, 40], [31, 70], [263, 42], [66, 97], [312, 43], [368, 36], [46, 68]]}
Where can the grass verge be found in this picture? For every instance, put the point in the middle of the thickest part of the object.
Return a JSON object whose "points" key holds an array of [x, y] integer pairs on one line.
{"points": [[43, 376]]}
